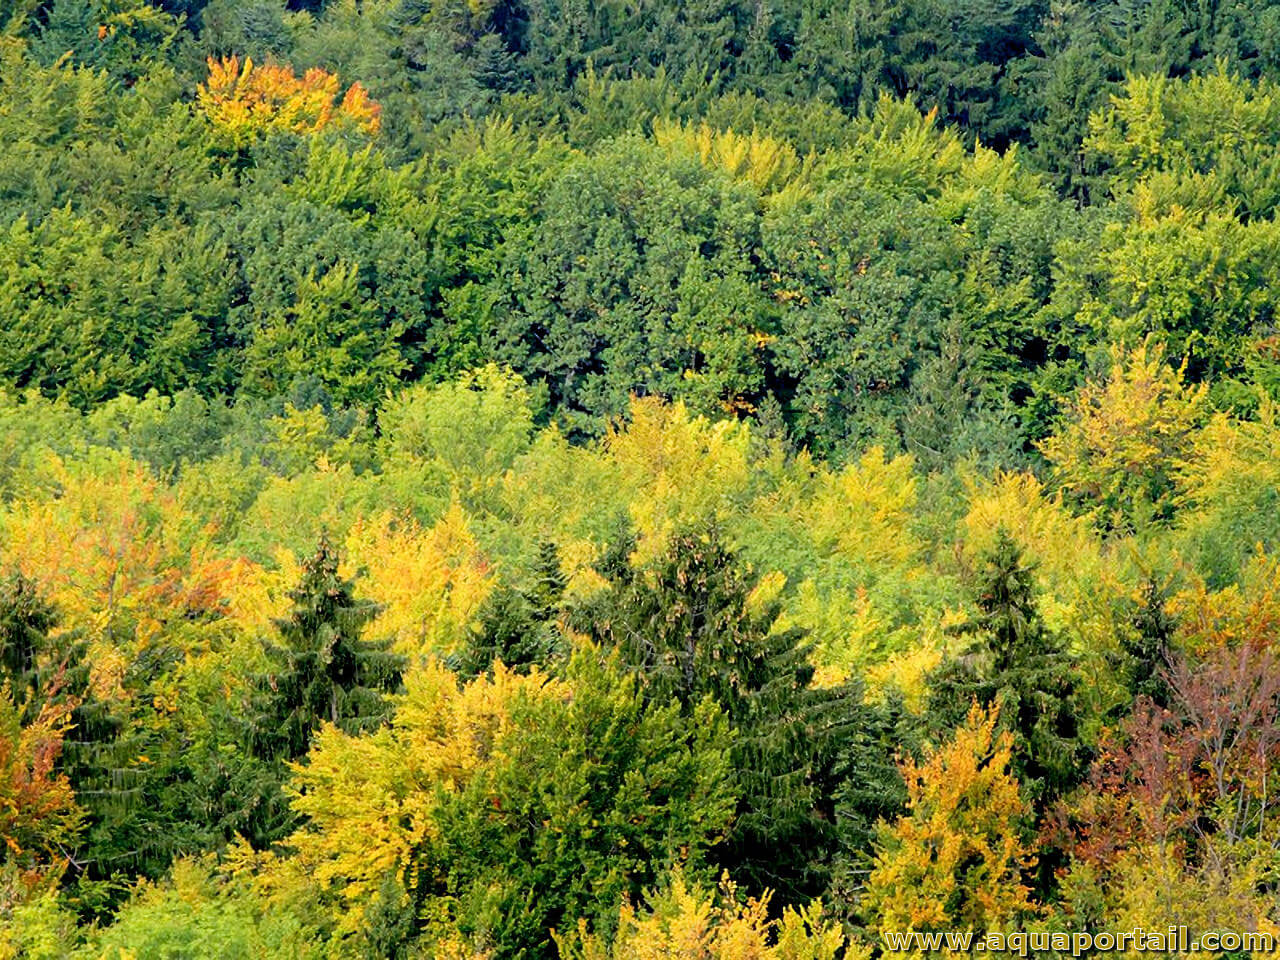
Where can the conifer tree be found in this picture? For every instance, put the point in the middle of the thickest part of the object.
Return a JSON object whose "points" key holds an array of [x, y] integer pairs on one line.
{"points": [[517, 625], [49, 673], [1147, 648], [322, 670], [25, 622], [688, 625], [1016, 663]]}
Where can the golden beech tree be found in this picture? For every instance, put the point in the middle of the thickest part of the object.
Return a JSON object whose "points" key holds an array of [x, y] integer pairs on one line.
{"points": [[245, 100], [956, 859], [683, 921], [680, 468], [117, 554], [370, 801], [39, 817], [762, 161], [429, 583], [1127, 435]]}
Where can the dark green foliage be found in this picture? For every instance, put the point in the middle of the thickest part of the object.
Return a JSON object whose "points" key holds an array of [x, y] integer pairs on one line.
{"points": [[638, 280], [870, 789], [517, 627], [1149, 647], [1016, 663], [25, 622], [687, 627], [321, 671], [596, 796], [126, 773]]}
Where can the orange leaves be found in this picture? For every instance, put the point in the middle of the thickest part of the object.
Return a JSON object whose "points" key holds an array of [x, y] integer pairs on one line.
{"points": [[245, 101], [118, 557], [38, 812]]}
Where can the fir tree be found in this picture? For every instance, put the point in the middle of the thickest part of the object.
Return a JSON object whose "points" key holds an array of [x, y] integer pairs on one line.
{"points": [[688, 627], [1017, 663], [322, 671]]}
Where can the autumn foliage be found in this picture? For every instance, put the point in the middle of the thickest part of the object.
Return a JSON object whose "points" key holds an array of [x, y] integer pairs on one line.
{"points": [[245, 101]]}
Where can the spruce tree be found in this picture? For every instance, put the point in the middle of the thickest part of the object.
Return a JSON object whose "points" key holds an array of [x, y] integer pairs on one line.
{"points": [[686, 625], [1017, 663], [25, 622], [321, 670], [517, 625], [1147, 648]]}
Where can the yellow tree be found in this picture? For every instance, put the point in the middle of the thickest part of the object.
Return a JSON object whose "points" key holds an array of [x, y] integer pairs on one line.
{"points": [[684, 921], [955, 860], [116, 552], [370, 801], [429, 583], [1126, 436], [680, 469], [243, 101]]}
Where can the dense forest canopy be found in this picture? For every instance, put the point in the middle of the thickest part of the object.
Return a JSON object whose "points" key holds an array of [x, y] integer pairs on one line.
{"points": [[532, 479]]}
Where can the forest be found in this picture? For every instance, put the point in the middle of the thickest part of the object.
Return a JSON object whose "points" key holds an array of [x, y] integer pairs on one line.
{"points": [[636, 479]]}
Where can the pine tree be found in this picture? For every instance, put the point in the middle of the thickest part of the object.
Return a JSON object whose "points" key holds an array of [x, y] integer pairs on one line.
{"points": [[688, 626], [322, 671]]}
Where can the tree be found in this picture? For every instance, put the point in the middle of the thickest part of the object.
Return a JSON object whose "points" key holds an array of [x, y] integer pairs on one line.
{"points": [[242, 102], [1125, 435], [686, 921], [511, 805], [648, 289], [956, 859], [1020, 667], [40, 821], [322, 671], [688, 626], [25, 621], [1149, 646], [517, 625]]}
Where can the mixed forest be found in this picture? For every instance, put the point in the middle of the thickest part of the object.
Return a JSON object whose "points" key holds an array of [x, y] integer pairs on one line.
{"points": [[635, 479]]}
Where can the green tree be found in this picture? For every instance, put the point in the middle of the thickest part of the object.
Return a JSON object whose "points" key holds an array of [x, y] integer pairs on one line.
{"points": [[1020, 666], [517, 625], [322, 671], [688, 626]]}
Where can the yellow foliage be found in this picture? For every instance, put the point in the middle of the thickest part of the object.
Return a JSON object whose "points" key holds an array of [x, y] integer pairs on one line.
{"points": [[686, 922], [864, 512], [762, 161], [907, 673], [955, 860], [117, 555], [681, 470], [1247, 612], [244, 101], [429, 583], [1074, 570], [368, 801], [1153, 887], [1126, 436], [846, 630], [1064, 547]]}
